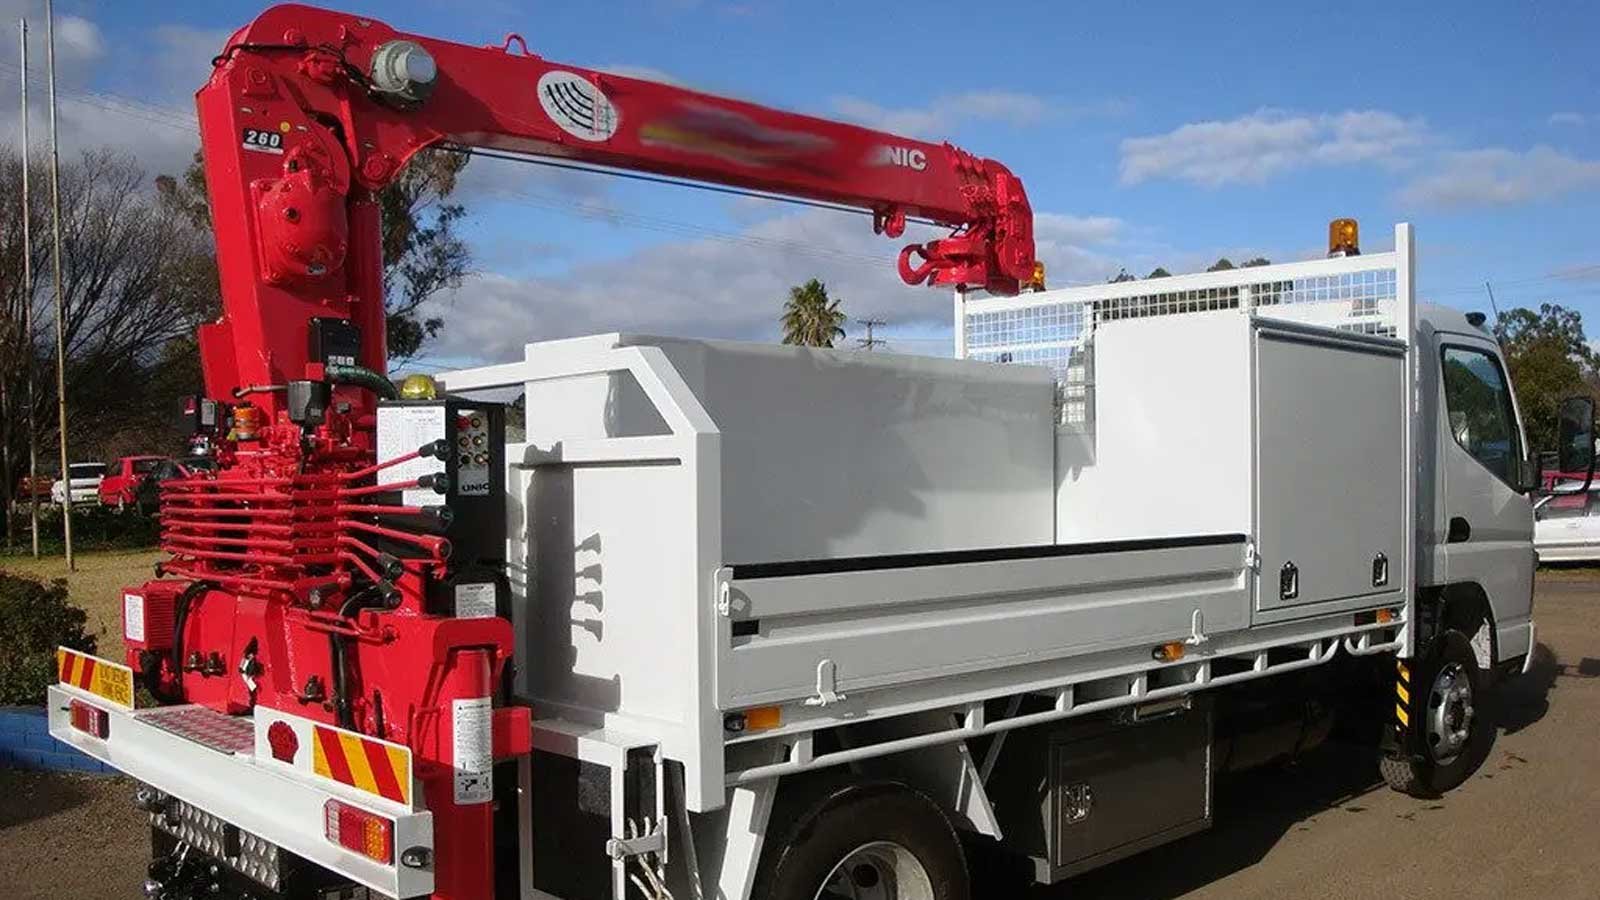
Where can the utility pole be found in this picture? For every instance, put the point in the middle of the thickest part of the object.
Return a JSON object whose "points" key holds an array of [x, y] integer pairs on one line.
{"points": [[61, 314], [27, 302], [869, 342]]}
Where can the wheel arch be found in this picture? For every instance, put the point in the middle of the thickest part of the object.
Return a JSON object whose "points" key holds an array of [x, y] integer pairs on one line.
{"points": [[1462, 606]]}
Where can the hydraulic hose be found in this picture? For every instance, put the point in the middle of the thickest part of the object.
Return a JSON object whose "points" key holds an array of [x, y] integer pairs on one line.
{"points": [[362, 376], [180, 618]]}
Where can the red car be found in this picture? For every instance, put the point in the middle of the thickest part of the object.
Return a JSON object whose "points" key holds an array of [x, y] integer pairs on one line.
{"points": [[120, 487]]}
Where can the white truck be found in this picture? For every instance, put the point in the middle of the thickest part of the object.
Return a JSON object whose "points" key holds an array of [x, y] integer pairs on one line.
{"points": [[800, 623]]}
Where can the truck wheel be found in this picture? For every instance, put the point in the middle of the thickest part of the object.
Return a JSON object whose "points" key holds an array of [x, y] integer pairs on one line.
{"points": [[866, 842], [1443, 727]]}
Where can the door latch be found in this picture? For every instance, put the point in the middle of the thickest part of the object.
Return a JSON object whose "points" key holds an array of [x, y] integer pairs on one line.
{"points": [[827, 685], [1288, 581]]}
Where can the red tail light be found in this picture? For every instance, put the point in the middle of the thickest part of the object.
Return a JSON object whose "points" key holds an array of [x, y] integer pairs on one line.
{"points": [[352, 828], [90, 719]]}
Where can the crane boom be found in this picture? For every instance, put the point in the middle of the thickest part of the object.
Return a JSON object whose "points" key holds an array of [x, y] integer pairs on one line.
{"points": [[309, 113]]}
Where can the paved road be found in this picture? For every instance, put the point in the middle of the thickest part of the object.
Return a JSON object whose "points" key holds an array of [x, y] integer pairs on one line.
{"points": [[1526, 825]]}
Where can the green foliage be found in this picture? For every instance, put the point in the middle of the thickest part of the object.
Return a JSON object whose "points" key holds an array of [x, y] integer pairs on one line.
{"points": [[810, 317], [1549, 358], [1121, 276], [1221, 265], [1159, 272], [1257, 261], [94, 528], [35, 619]]}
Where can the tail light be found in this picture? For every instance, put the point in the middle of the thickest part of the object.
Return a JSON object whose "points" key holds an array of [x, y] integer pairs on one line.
{"points": [[90, 719], [353, 828]]}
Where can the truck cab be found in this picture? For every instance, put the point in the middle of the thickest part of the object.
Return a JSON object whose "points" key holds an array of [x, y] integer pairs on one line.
{"points": [[1476, 557]]}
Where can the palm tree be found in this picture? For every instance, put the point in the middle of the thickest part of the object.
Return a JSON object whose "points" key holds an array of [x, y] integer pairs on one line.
{"points": [[810, 318]]}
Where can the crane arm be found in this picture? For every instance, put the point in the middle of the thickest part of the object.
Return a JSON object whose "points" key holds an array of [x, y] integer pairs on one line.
{"points": [[309, 113]]}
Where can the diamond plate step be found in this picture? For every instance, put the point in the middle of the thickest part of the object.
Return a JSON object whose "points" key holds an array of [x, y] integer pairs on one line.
{"points": [[234, 735]]}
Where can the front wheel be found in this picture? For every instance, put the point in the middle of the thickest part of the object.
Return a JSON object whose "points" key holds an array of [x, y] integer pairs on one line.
{"points": [[869, 842], [1443, 730]]}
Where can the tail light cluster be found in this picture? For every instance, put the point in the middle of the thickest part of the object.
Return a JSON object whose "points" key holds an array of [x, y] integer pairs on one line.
{"points": [[353, 828], [90, 719]]}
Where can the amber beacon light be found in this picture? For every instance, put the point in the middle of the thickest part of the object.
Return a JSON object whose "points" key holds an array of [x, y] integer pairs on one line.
{"points": [[1344, 238]]}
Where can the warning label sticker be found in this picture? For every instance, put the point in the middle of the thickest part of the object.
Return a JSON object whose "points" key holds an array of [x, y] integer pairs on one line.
{"points": [[472, 748], [133, 617], [475, 601]]}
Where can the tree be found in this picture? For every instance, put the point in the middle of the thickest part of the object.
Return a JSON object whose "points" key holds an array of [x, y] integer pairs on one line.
{"points": [[1221, 265], [810, 317], [422, 254], [1549, 357], [1121, 276], [138, 276], [1159, 272], [1254, 262]]}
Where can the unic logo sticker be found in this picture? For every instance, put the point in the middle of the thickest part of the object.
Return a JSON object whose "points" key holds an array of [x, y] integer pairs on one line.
{"points": [[578, 106]]}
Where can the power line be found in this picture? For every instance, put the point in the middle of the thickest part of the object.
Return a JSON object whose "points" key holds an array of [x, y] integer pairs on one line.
{"points": [[664, 179]]}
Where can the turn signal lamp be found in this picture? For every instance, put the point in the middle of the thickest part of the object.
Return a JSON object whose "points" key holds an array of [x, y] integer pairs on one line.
{"points": [[353, 828], [418, 387], [1344, 238], [1172, 651], [763, 717]]}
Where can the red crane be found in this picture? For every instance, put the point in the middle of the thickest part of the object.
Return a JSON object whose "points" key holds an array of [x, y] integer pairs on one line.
{"points": [[283, 593]]}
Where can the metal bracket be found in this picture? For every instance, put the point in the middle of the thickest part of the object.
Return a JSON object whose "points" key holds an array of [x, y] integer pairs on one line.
{"points": [[725, 599], [1197, 629], [641, 840], [827, 685], [1252, 558]]}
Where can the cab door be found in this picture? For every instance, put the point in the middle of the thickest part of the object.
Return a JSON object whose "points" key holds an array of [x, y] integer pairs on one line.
{"points": [[1488, 536]]}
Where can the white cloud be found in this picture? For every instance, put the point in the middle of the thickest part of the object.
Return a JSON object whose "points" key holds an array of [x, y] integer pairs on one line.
{"points": [[728, 286], [182, 59], [945, 113], [1568, 118], [1255, 147], [1496, 176]]}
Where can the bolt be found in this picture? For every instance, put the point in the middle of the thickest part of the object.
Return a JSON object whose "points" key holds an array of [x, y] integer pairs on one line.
{"points": [[375, 167]]}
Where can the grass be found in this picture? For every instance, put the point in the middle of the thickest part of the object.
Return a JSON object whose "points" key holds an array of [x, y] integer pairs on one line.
{"points": [[96, 586]]}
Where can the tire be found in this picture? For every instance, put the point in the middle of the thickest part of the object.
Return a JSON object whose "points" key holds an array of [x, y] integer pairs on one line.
{"points": [[889, 841], [1447, 731]]}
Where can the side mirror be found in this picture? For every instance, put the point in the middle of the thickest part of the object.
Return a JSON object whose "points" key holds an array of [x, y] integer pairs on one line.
{"points": [[1575, 441], [1533, 473]]}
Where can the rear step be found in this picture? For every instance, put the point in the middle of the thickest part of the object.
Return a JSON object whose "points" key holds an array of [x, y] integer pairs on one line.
{"points": [[205, 726]]}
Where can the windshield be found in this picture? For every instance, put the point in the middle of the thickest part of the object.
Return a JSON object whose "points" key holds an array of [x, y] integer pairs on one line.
{"points": [[146, 466], [87, 470]]}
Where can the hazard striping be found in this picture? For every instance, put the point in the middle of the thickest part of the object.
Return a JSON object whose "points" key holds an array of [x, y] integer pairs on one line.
{"points": [[1405, 695], [373, 766], [92, 675]]}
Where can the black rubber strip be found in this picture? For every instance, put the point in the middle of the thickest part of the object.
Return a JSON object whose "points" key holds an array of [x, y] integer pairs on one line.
{"points": [[959, 557]]}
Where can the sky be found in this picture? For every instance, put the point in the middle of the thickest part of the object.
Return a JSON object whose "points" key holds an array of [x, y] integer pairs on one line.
{"points": [[1152, 134]]}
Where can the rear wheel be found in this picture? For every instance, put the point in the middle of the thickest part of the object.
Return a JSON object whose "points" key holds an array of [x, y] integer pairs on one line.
{"points": [[1443, 727], [866, 842]]}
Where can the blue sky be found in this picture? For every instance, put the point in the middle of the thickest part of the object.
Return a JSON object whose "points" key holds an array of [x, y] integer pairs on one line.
{"points": [[1147, 134]]}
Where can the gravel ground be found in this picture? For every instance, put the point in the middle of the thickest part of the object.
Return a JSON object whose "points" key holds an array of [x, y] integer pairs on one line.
{"points": [[1524, 826]]}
